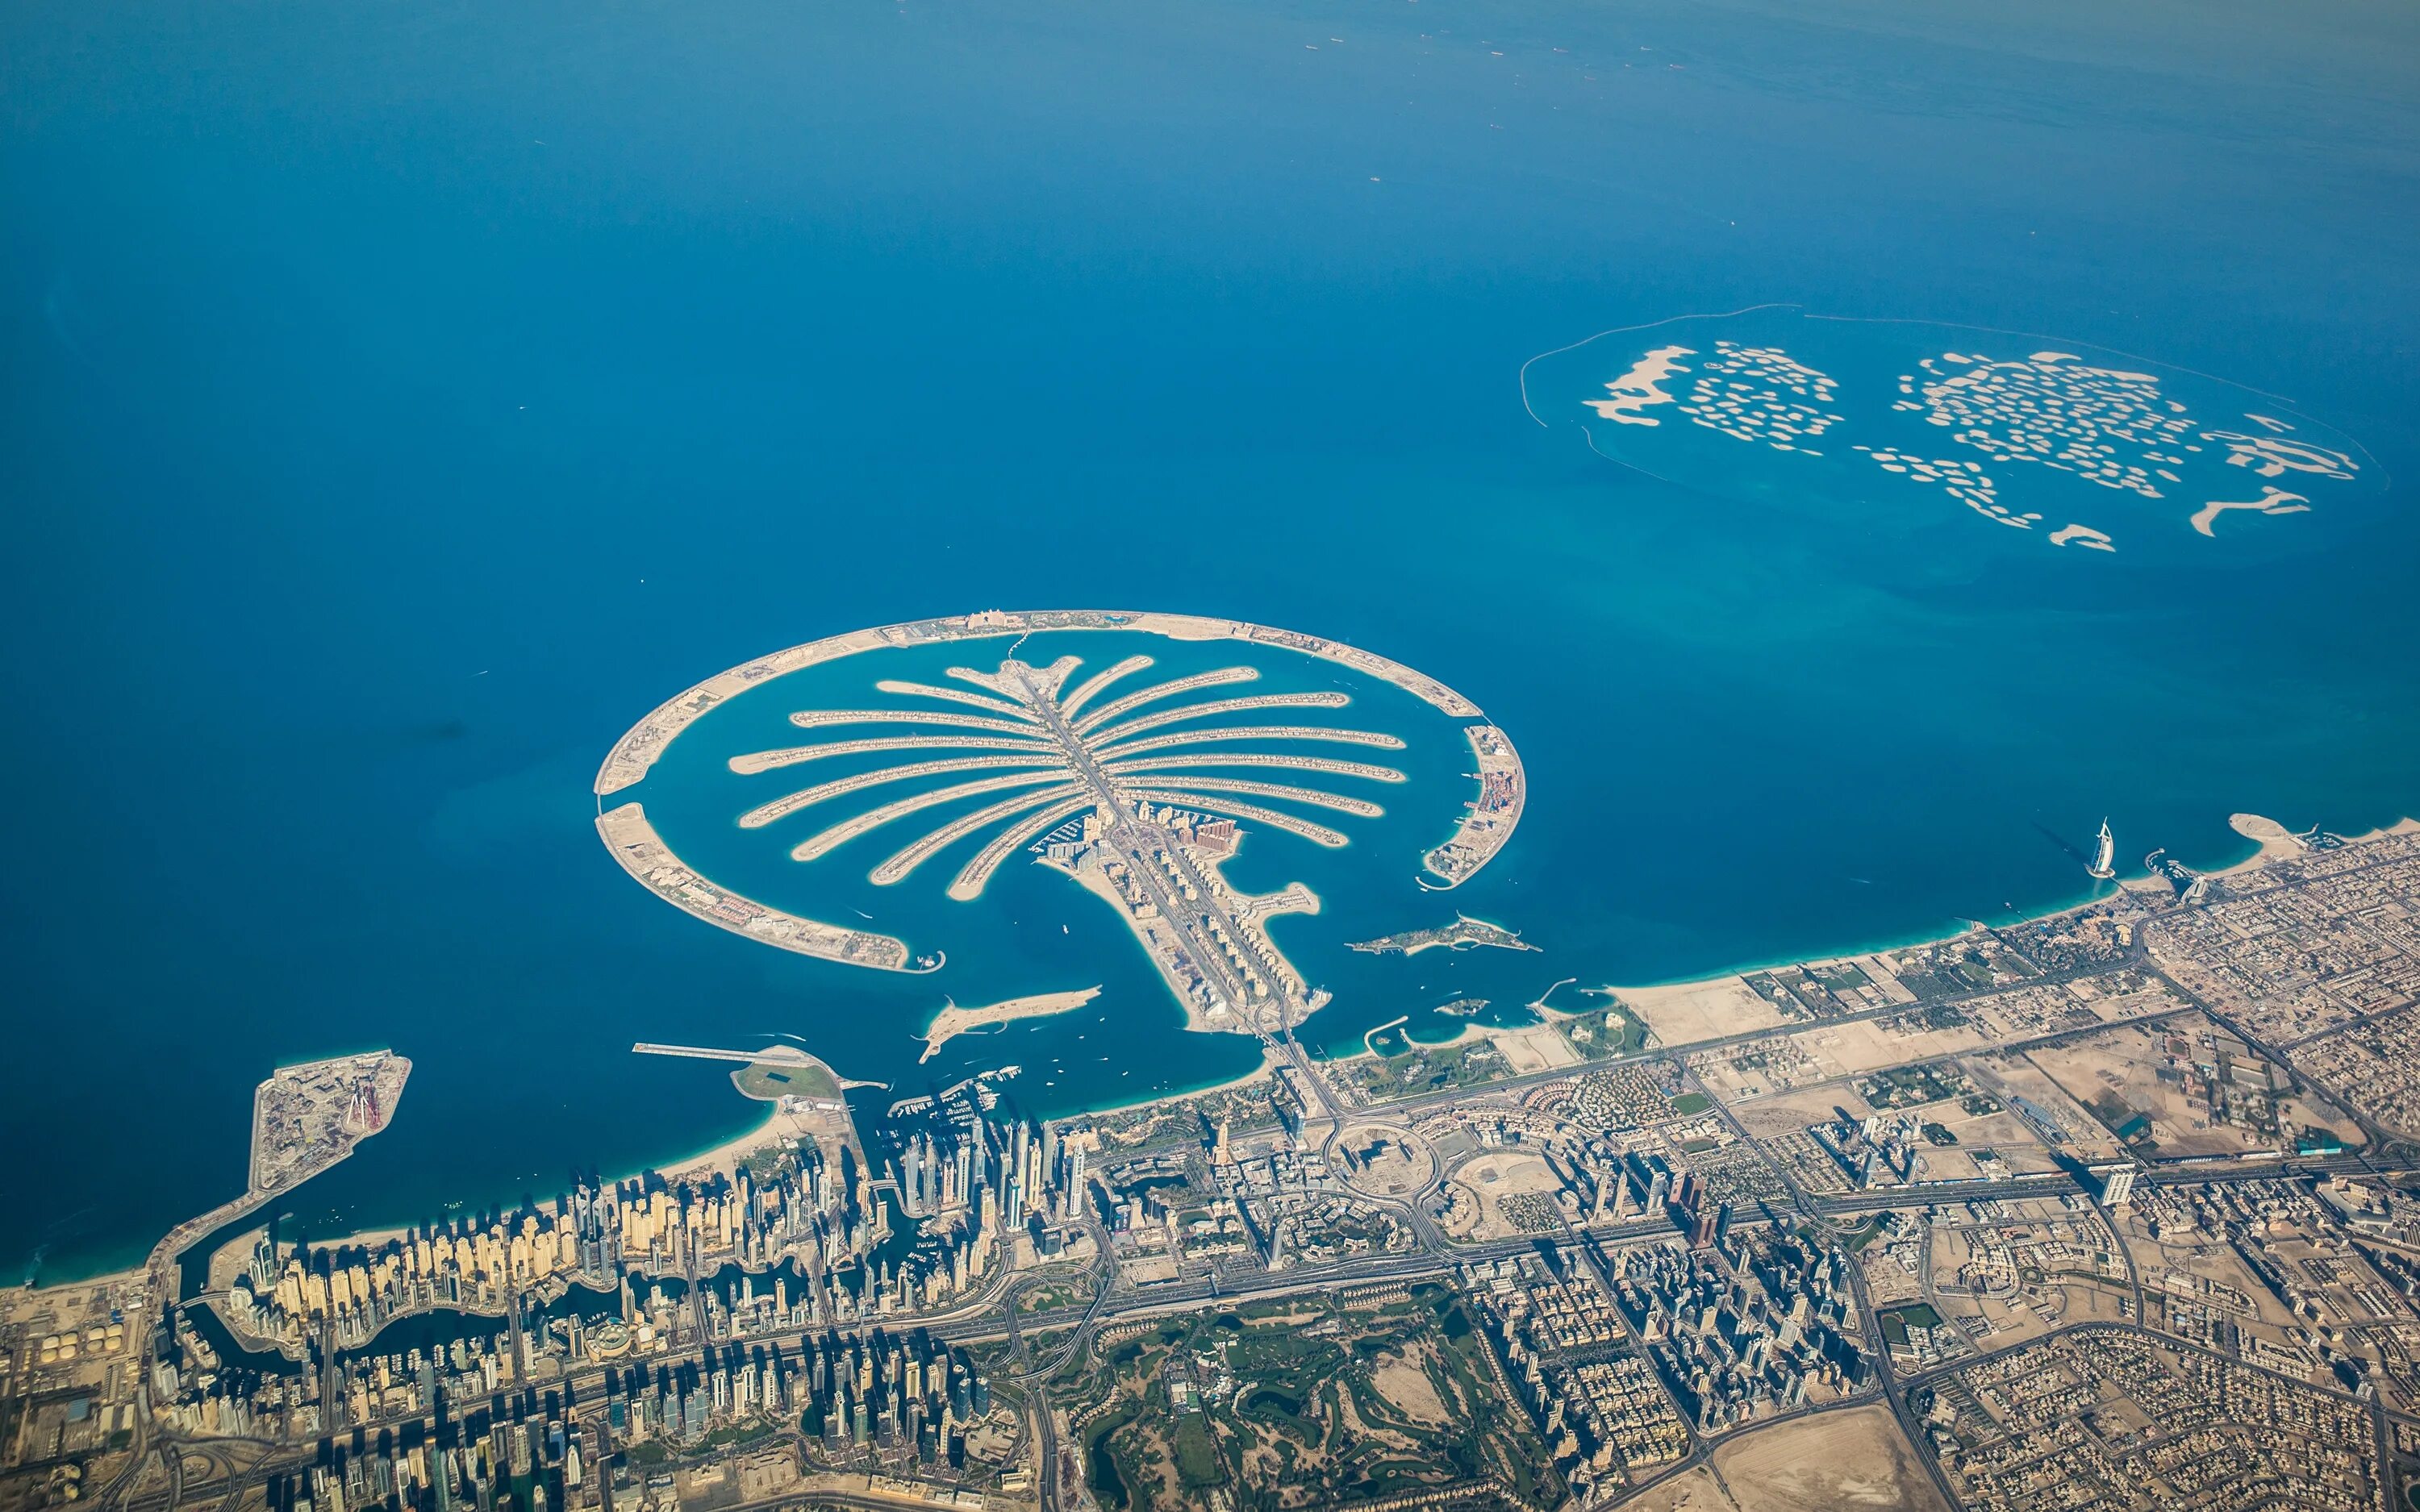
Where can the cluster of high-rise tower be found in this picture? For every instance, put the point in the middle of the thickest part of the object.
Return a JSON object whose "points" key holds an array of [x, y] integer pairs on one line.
{"points": [[984, 1183]]}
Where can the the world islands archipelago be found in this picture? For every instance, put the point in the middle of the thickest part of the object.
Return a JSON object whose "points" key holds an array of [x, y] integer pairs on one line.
{"points": [[1882, 424], [2116, 1207]]}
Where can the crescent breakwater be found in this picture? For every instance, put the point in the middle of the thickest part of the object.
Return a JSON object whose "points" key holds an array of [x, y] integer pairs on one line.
{"points": [[642, 854], [1489, 820]]}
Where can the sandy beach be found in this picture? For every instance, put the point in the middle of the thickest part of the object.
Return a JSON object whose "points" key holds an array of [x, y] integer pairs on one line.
{"points": [[1642, 386], [727, 1156], [2271, 502], [953, 1021], [2277, 844]]}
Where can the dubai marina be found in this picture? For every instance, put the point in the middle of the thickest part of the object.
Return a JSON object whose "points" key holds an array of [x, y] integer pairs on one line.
{"points": [[1259, 758]]}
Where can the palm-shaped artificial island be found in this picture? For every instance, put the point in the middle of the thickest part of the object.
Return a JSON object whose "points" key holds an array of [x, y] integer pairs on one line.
{"points": [[1135, 787]]}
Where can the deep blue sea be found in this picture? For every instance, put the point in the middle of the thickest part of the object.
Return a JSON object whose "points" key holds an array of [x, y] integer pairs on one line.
{"points": [[399, 400]]}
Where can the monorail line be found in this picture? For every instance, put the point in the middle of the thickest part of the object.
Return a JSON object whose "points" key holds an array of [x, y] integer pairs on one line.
{"points": [[1051, 678], [1295, 899], [1200, 877]]}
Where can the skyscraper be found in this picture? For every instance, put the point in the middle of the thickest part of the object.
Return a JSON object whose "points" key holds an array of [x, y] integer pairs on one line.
{"points": [[2116, 1183]]}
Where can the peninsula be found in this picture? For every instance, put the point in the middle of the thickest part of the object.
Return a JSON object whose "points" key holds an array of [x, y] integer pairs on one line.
{"points": [[1209, 942]]}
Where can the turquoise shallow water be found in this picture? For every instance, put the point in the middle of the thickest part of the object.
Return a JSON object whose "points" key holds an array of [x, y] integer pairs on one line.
{"points": [[401, 400]]}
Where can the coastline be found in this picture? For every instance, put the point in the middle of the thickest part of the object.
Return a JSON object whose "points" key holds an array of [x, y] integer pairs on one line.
{"points": [[721, 1158], [726, 1153], [2276, 848], [2138, 880], [1270, 1061]]}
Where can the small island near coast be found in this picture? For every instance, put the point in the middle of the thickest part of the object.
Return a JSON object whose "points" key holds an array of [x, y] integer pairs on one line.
{"points": [[1463, 934], [952, 1020], [307, 1117]]}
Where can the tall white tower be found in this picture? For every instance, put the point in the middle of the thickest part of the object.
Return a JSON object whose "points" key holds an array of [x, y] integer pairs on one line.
{"points": [[2105, 855]]}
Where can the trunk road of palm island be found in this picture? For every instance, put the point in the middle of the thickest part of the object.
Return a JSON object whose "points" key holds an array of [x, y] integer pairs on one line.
{"points": [[1170, 883]]}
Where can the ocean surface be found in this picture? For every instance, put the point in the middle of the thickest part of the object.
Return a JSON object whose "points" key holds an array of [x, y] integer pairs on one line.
{"points": [[400, 400]]}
